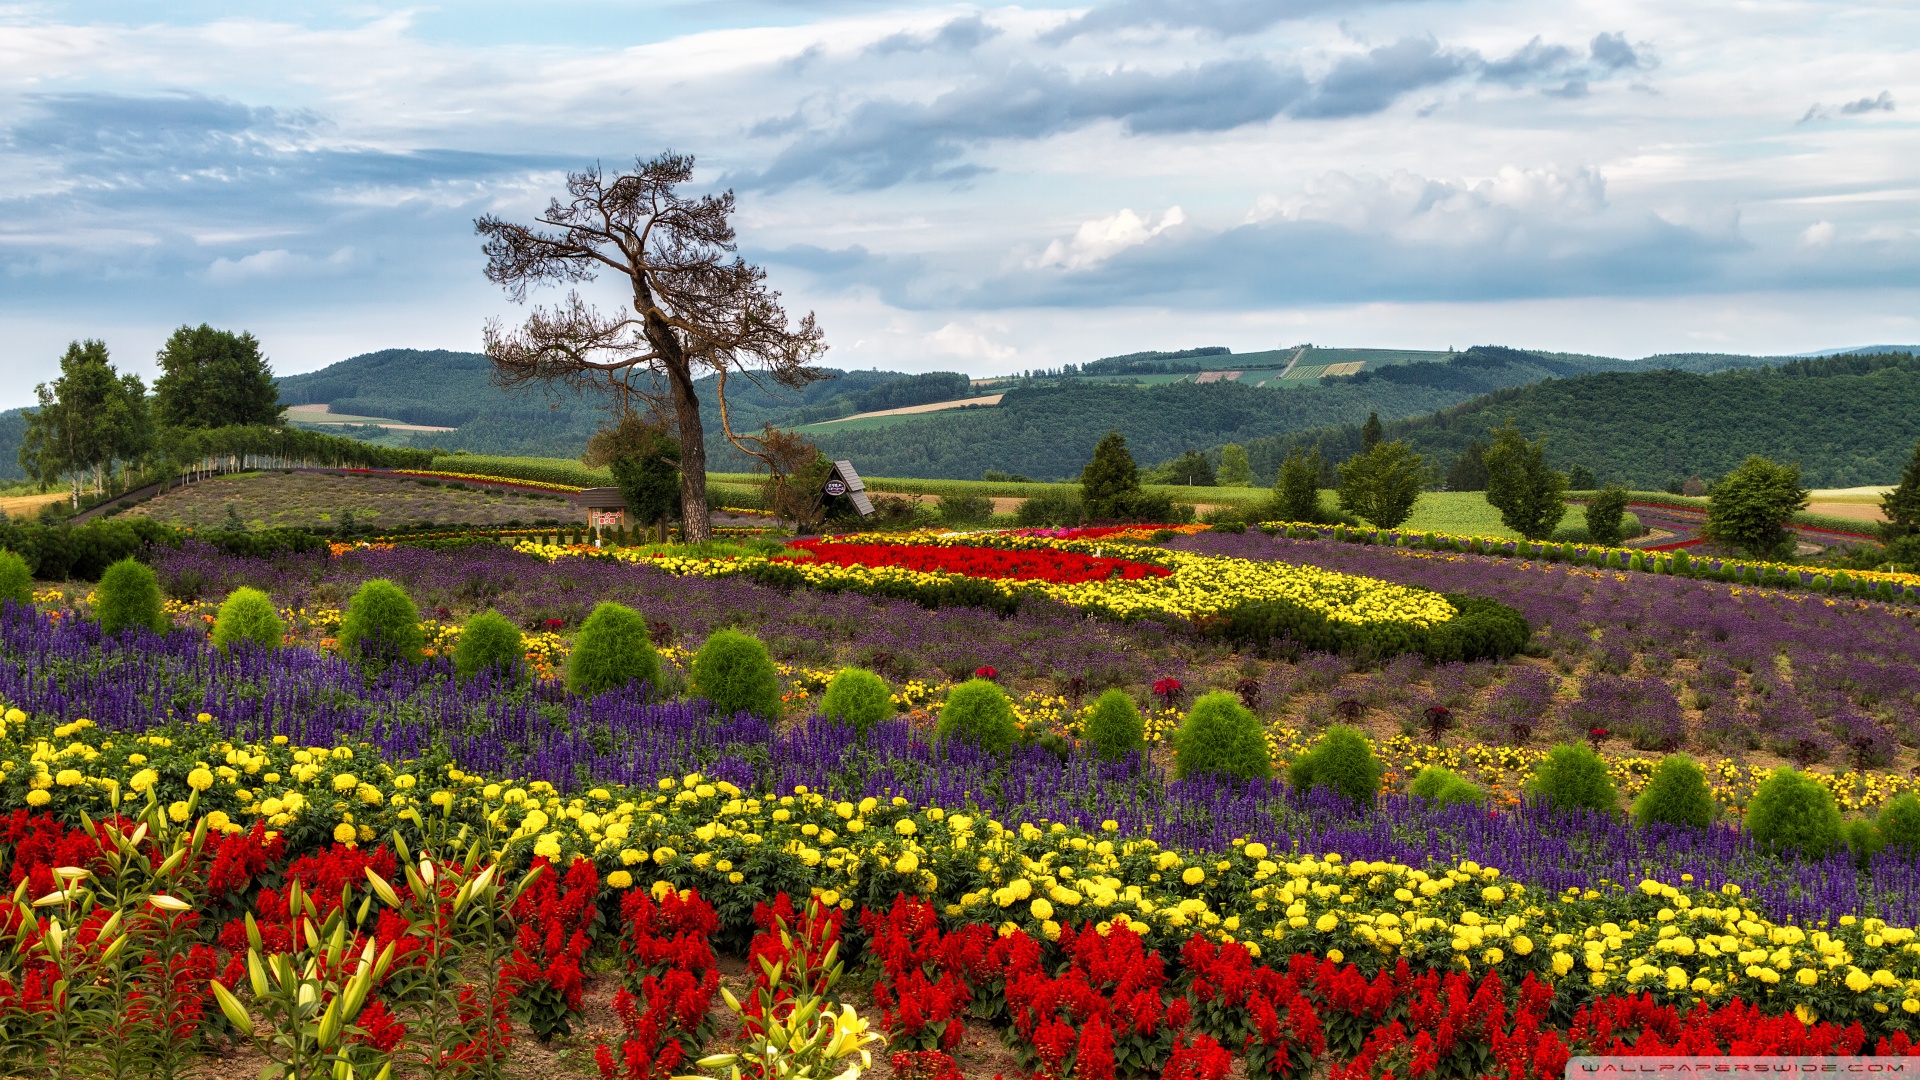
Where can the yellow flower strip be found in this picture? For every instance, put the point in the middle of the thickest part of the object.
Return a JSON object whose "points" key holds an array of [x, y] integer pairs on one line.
{"points": [[1678, 942]]}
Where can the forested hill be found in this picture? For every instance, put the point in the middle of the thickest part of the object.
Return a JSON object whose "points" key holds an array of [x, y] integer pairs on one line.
{"points": [[1847, 420], [455, 389], [1047, 432]]}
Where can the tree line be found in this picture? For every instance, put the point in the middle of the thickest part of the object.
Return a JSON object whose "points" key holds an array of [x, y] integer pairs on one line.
{"points": [[97, 430]]}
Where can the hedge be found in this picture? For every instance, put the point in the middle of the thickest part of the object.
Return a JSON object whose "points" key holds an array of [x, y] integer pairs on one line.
{"points": [[1483, 629]]}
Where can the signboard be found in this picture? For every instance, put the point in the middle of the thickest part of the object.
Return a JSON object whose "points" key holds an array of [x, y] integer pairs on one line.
{"points": [[844, 481], [606, 519]]}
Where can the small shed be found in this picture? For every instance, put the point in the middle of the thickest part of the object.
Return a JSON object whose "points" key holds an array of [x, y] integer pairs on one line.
{"points": [[605, 507], [842, 480]]}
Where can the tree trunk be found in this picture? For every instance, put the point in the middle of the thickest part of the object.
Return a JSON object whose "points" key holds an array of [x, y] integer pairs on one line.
{"points": [[695, 526]]}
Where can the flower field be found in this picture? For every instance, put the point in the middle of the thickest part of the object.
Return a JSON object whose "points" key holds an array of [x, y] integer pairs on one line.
{"points": [[1100, 918]]}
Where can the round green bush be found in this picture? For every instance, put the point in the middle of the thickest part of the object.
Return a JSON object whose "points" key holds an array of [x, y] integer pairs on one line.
{"points": [[1342, 760], [1899, 822], [733, 671], [247, 614], [1862, 838], [128, 595], [1115, 729], [1792, 811], [16, 581], [381, 625], [1676, 794], [978, 711], [611, 650], [1573, 777], [487, 642], [859, 697], [1221, 736], [1444, 786]]}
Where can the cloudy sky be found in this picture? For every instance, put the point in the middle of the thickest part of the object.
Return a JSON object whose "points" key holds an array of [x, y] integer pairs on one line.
{"points": [[987, 188]]}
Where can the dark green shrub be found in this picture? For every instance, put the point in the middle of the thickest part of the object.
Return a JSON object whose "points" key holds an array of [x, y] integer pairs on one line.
{"points": [[1573, 777], [733, 671], [488, 642], [1342, 760], [1059, 506], [1791, 811], [1676, 794], [16, 579], [381, 625], [1444, 786], [247, 614], [1863, 839], [965, 509], [977, 711], [859, 697], [128, 595], [1481, 629], [1899, 823], [1114, 729], [611, 650]]}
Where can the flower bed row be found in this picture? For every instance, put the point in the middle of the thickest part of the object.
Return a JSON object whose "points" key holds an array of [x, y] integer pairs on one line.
{"points": [[1680, 942], [1875, 584], [1049, 566], [1194, 586]]}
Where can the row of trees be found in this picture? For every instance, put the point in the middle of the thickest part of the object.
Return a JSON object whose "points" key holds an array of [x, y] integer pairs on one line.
{"points": [[94, 422]]}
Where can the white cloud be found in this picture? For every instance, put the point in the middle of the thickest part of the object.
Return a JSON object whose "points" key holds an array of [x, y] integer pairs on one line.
{"points": [[969, 343], [276, 263], [1101, 239], [1818, 234]]}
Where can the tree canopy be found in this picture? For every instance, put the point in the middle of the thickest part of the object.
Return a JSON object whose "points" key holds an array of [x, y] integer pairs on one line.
{"points": [[88, 418], [1530, 494], [214, 378], [1751, 505], [1383, 484]]}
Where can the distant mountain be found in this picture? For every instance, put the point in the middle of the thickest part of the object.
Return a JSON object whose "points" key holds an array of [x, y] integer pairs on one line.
{"points": [[1046, 427], [455, 389], [1863, 350], [13, 431], [1847, 420]]}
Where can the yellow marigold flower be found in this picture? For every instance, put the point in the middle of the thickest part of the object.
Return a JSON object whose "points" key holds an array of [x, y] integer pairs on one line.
{"points": [[1493, 894], [1493, 956], [736, 877], [630, 857], [218, 820], [907, 863], [38, 797], [1041, 908], [344, 833], [1806, 976], [1562, 963], [663, 855], [1193, 875], [620, 879], [904, 826], [442, 798], [1326, 922], [1858, 981], [547, 847], [345, 782], [200, 779], [69, 778], [1522, 945]]}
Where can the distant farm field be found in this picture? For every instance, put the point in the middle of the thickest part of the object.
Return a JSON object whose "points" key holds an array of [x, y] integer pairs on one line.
{"points": [[269, 499]]}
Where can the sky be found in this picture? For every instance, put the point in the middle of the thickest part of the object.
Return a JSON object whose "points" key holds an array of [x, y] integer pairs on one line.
{"points": [[981, 188]]}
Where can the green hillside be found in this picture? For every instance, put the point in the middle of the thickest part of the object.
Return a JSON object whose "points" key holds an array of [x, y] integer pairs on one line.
{"points": [[1847, 420], [1043, 427]]}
